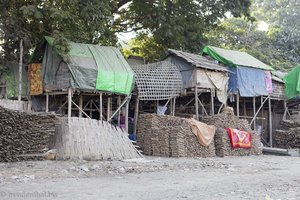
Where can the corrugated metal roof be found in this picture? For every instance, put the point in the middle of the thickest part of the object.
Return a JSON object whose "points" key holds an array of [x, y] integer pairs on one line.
{"points": [[240, 58], [198, 60]]}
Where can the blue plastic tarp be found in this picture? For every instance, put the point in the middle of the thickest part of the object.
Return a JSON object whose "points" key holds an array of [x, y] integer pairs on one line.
{"points": [[250, 82]]}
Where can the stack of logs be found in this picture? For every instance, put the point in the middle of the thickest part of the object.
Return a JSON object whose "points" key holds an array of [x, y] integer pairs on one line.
{"points": [[24, 136], [169, 136], [227, 119], [288, 135]]}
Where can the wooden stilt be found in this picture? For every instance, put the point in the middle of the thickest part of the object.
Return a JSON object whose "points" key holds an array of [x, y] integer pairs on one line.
{"points": [[136, 114], [196, 103], [47, 102], [244, 106], [80, 105], [127, 115], [174, 105], [20, 71], [212, 94], [69, 102], [91, 108], [108, 108], [100, 107], [262, 111], [285, 110], [254, 112], [270, 124], [119, 113], [238, 104]]}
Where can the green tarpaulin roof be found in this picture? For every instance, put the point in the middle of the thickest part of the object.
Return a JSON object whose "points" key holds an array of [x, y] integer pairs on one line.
{"points": [[234, 58], [95, 67], [292, 83]]}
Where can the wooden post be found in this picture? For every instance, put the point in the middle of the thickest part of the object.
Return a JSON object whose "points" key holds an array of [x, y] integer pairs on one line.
{"points": [[254, 112], [69, 102], [262, 111], [20, 70], [238, 104], [91, 107], [47, 102], [212, 91], [119, 114], [196, 103], [80, 105], [108, 108], [136, 113], [127, 115], [244, 106], [174, 105], [100, 107], [285, 110], [270, 124]]}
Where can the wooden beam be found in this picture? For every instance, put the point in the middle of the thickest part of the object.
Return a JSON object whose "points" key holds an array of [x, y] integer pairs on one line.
{"points": [[254, 112], [91, 107], [127, 114], [100, 106], [270, 125], [196, 103], [174, 106], [212, 91], [80, 105], [80, 109], [136, 113], [285, 110], [108, 108], [69, 102], [119, 113], [20, 70], [238, 104], [261, 106], [47, 103]]}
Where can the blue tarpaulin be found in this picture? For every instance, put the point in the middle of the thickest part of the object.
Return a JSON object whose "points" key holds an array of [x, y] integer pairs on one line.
{"points": [[250, 82]]}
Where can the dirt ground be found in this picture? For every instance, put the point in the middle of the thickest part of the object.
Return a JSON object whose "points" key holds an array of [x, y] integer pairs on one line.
{"points": [[234, 178]]}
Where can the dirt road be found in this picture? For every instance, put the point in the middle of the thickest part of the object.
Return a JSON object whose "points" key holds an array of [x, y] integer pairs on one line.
{"points": [[255, 177]]}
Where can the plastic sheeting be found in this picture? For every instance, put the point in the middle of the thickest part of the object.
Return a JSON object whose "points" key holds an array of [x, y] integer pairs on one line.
{"points": [[292, 83], [250, 82], [214, 80], [93, 67]]}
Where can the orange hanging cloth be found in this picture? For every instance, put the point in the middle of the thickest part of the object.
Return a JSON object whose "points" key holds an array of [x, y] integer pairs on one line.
{"points": [[239, 139], [35, 78]]}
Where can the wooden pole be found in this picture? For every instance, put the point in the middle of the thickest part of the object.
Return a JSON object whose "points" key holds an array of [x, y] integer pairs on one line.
{"points": [[174, 105], [212, 91], [80, 105], [254, 112], [270, 124], [91, 108], [127, 114], [262, 111], [108, 108], [136, 114], [244, 106], [285, 110], [100, 107], [47, 102], [69, 102], [238, 104], [20, 70], [119, 114], [196, 103]]}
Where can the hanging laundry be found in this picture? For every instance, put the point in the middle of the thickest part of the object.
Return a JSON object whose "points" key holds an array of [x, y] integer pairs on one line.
{"points": [[268, 81], [239, 138]]}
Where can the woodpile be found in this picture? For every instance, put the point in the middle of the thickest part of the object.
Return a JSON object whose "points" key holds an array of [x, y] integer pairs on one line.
{"points": [[24, 136], [169, 136], [222, 143], [288, 135]]}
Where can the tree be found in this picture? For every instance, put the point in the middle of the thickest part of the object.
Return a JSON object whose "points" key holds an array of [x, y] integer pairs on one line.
{"points": [[80, 21], [178, 24]]}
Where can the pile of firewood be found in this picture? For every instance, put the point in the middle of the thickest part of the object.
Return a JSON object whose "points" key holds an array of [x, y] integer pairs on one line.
{"points": [[24, 136], [288, 135], [169, 136], [222, 142]]}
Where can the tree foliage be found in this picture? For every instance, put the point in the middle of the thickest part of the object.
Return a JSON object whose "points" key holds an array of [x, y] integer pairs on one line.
{"points": [[81, 21], [178, 24]]}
